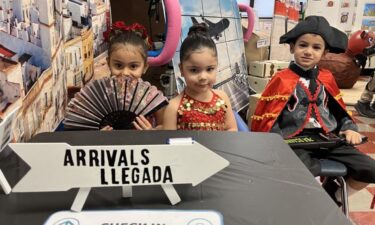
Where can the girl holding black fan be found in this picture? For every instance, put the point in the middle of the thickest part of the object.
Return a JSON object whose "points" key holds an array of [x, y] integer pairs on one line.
{"points": [[124, 100], [199, 107]]}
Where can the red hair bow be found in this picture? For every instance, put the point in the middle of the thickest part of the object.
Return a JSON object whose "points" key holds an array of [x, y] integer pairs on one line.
{"points": [[120, 26]]}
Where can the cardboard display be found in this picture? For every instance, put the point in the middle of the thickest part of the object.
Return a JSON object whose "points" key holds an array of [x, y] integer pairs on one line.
{"points": [[256, 49], [224, 27], [258, 83], [253, 101], [47, 48], [266, 68]]}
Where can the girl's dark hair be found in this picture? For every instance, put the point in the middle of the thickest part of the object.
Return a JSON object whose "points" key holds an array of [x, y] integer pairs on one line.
{"points": [[131, 38], [197, 38]]}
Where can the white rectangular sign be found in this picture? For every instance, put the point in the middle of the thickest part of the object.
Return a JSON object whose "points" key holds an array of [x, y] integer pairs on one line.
{"points": [[137, 217]]}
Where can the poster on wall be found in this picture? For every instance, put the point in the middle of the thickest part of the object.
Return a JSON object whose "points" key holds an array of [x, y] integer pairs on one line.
{"points": [[368, 19], [46, 48], [364, 18], [224, 24]]}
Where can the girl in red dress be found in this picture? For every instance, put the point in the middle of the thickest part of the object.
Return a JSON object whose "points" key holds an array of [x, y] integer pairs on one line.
{"points": [[199, 107]]}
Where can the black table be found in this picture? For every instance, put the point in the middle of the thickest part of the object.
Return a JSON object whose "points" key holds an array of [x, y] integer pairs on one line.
{"points": [[264, 184]]}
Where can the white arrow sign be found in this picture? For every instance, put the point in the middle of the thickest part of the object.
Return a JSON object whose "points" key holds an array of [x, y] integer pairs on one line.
{"points": [[60, 167]]}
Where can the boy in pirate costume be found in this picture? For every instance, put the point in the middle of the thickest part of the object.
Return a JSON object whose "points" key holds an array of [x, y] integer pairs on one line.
{"points": [[304, 100]]}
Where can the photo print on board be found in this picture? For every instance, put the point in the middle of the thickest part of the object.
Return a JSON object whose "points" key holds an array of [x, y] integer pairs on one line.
{"points": [[224, 23]]}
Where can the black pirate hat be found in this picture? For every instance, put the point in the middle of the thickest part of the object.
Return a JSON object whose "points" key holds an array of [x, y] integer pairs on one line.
{"points": [[335, 39]]}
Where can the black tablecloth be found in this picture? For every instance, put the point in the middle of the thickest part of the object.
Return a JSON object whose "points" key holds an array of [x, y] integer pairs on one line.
{"points": [[265, 182]]}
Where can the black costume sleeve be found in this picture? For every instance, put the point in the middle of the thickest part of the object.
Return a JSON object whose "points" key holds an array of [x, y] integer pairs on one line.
{"points": [[276, 128], [344, 122], [348, 124]]}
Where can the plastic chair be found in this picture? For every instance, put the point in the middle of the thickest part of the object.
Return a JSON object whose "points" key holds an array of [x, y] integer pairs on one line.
{"points": [[241, 125], [331, 169]]}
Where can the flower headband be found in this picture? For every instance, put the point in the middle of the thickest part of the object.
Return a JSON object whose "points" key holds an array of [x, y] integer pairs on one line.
{"points": [[120, 27]]}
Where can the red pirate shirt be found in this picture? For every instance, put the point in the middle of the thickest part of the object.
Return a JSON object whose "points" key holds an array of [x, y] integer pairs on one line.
{"points": [[277, 93]]}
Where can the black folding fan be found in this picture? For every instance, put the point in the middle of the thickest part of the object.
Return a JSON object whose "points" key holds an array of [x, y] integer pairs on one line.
{"points": [[115, 101]]}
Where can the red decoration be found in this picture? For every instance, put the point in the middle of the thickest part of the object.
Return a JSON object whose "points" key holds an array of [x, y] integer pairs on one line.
{"points": [[196, 115], [120, 26]]}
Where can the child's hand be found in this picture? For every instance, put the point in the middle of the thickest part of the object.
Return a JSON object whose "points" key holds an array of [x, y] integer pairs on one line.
{"points": [[141, 123], [352, 137], [107, 128]]}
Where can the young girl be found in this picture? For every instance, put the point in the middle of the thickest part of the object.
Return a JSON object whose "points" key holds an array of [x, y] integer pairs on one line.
{"points": [[127, 55], [199, 107]]}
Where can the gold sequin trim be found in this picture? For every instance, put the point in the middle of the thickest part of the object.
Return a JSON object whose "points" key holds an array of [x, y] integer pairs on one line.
{"points": [[274, 97], [189, 105], [266, 115], [208, 126], [337, 97]]}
